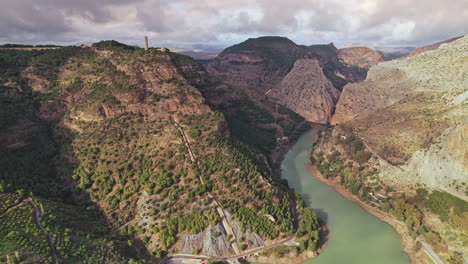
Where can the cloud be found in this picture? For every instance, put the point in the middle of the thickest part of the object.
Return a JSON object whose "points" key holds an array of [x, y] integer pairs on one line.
{"points": [[225, 22]]}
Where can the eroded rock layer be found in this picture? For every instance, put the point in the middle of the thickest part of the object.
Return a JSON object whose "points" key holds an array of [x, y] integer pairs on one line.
{"points": [[308, 92], [413, 113]]}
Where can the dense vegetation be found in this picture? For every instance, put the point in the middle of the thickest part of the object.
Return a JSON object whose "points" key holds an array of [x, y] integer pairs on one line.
{"points": [[98, 137], [347, 158], [446, 205], [253, 121], [78, 237]]}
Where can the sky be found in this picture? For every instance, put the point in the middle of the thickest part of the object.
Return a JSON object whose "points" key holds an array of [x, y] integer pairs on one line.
{"points": [[221, 23]]}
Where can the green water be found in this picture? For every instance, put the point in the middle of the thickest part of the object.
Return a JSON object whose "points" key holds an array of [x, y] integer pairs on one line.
{"points": [[356, 237]]}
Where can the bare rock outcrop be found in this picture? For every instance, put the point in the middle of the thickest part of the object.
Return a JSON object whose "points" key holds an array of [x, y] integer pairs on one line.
{"points": [[362, 57], [308, 92], [441, 70], [442, 166], [413, 114], [306, 78], [257, 64], [207, 242]]}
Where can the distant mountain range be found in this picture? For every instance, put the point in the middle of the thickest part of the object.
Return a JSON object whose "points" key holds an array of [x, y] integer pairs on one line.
{"points": [[389, 53], [199, 52]]}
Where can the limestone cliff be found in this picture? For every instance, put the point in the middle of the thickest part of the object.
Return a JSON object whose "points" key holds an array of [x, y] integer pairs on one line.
{"points": [[439, 71], [256, 63], [362, 57], [277, 66], [308, 92], [413, 114]]}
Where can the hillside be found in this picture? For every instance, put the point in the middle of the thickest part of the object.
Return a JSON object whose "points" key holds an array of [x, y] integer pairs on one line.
{"points": [[400, 143], [262, 65], [388, 53], [420, 103], [122, 135], [361, 57], [431, 47]]}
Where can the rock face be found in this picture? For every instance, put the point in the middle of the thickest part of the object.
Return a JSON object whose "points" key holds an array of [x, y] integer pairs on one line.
{"points": [[256, 63], [430, 47], [442, 70], [442, 166], [360, 56], [413, 113], [308, 92], [302, 76], [209, 244]]}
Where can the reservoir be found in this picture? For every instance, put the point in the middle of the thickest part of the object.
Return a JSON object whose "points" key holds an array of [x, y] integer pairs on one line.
{"points": [[356, 236]]}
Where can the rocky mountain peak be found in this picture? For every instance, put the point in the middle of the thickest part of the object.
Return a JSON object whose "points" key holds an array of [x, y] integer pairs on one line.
{"points": [[362, 57]]}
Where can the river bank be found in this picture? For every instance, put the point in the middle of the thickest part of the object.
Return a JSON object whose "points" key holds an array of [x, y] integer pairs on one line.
{"points": [[406, 240], [277, 156]]}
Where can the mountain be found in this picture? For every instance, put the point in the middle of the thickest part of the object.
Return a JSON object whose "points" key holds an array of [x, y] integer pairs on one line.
{"points": [[114, 154], [399, 144], [431, 47], [423, 96], [199, 52], [361, 57], [306, 79], [356, 45], [389, 53], [392, 53], [202, 53]]}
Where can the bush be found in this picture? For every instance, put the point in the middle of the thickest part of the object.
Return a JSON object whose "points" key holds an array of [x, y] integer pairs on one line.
{"points": [[441, 203]]}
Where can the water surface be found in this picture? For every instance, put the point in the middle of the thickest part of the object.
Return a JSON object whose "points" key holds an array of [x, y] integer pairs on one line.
{"points": [[356, 236]]}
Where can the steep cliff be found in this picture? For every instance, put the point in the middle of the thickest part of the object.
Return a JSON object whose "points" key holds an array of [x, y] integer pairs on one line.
{"points": [[308, 92], [400, 144], [256, 63], [261, 65], [439, 71], [420, 103], [360, 56]]}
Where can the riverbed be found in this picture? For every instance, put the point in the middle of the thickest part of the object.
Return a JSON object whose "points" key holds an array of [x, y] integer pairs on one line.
{"points": [[356, 237]]}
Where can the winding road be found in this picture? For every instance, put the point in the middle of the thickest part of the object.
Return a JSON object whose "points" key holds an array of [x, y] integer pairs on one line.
{"points": [[226, 258]]}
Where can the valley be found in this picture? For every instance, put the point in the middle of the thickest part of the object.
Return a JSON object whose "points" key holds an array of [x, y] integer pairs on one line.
{"points": [[115, 154], [402, 150], [121, 135]]}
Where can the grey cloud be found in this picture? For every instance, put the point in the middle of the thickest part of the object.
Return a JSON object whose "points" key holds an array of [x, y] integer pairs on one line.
{"points": [[223, 22]]}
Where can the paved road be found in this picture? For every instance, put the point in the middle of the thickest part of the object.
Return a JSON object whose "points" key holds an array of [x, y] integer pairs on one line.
{"points": [[430, 252], [226, 258]]}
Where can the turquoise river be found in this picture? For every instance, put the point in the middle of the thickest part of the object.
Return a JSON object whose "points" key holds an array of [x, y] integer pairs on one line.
{"points": [[356, 236]]}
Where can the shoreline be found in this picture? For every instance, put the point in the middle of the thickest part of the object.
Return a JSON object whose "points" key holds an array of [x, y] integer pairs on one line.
{"points": [[406, 240], [277, 160], [278, 157]]}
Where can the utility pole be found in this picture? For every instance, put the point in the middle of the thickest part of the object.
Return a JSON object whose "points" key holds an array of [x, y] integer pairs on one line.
{"points": [[146, 42]]}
